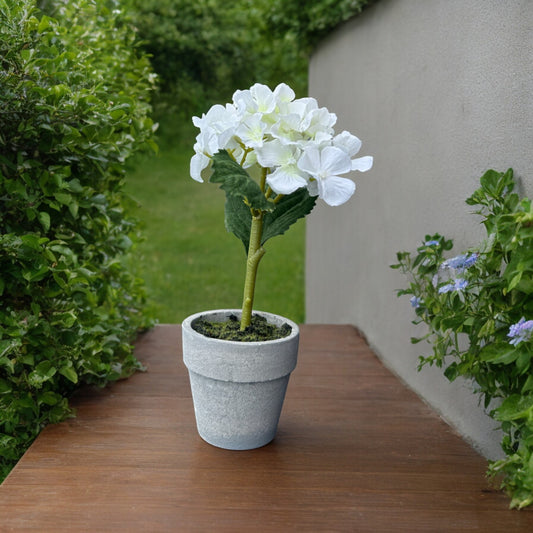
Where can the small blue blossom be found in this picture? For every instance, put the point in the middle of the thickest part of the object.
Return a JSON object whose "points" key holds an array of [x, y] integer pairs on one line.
{"points": [[457, 285], [470, 260], [521, 331], [460, 284], [460, 262], [415, 302], [431, 243]]}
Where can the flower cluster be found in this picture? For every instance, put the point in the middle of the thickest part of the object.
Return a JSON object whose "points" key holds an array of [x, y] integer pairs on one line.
{"points": [[292, 138], [457, 284], [460, 262], [521, 331]]}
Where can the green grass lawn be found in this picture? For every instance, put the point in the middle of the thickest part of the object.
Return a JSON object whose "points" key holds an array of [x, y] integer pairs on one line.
{"points": [[188, 260]]}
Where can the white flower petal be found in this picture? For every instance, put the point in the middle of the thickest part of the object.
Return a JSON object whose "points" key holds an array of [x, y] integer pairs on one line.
{"points": [[283, 93], [362, 164], [335, 190], [274, 153], [199, 162], [286, 180], [335, 161], [264, 98], [252, 130], [310, 161], [347, 142], [312, 188]]}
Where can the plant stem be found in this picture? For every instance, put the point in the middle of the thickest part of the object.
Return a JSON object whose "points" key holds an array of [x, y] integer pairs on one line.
{"points": [[255, 253]]}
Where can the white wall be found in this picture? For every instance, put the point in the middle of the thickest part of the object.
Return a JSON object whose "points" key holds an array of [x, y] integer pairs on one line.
{"points": [[439, 91]]}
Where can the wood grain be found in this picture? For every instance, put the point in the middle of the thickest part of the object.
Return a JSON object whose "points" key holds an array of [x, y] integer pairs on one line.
{"points": [[356, 451]]}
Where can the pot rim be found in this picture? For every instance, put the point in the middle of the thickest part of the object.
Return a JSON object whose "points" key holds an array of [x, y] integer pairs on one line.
{"points": [[271, 318]]}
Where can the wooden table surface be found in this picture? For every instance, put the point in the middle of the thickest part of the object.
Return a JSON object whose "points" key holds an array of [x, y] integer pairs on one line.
{"points": [[356, 451]]}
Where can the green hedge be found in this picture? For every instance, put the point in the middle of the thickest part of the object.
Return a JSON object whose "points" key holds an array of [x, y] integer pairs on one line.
{"points": [[308, 21], [204, 50], [74, 104]]}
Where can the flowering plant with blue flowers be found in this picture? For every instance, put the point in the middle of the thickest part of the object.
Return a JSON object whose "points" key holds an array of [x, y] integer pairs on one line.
{"points": [[478, 309]]}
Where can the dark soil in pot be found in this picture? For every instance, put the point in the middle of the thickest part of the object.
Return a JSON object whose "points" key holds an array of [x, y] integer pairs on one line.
{"points": [[258, 330]]}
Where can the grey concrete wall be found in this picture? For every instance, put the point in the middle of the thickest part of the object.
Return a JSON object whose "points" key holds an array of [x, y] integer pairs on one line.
{"points": [[439, 91]]}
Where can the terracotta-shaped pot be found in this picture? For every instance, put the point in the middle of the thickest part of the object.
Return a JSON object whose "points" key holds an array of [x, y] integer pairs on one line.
{"points": [[238, 388]]}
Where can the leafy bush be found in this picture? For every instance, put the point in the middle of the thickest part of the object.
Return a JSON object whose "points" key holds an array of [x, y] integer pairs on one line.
{"points": [[73, 108], [204, 50], [478, 307], [311, 21]]}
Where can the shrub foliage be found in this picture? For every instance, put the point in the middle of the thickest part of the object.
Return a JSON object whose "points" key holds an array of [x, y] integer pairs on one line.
{"points": [[204, 50], [74, 106], [478, 308], [311, 21]]}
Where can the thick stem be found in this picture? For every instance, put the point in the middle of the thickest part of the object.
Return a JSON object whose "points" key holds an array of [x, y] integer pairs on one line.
{"points": [[255, 253]]}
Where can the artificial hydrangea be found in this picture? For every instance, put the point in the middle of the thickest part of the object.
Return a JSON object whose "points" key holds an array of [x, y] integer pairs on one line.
{"points": [[293, 138]]}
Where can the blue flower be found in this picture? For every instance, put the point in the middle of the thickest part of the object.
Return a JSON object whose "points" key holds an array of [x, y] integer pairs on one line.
{"points": [[521, 331], [470, 260], [457, 285], [415, 302], [460, 262], [431, 243]]}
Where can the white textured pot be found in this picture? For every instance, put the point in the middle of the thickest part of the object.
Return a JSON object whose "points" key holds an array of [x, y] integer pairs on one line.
{"points": [[238, 388]]}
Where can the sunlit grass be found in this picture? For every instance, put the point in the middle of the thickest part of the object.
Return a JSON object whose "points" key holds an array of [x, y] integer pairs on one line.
{"points": [[188, 260]]}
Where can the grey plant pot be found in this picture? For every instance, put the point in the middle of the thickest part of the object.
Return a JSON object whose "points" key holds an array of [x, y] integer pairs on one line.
{"points": [[238, 388]]}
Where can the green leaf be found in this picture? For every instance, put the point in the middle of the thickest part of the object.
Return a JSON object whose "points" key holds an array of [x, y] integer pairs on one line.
{"points": [[42, 372], [499, 353], [236, 182], [6, 346], [515, 407], [238, 219], [69, 373], [287, 211], [44, 219], [49, 398], [63, 198], [5, 386]]}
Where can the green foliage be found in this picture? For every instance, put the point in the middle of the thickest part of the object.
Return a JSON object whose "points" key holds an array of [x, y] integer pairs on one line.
{"points": [[203, 51], [237, 183], [73, 107], [288, 210], [469, 304], [311, 21], [244, 196]]}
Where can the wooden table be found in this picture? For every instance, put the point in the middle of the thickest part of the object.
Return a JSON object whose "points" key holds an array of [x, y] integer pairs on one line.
{"points": [[356, 451]]}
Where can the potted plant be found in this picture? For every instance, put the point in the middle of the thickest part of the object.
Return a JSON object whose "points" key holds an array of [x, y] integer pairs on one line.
{"points": [[273, 155]]}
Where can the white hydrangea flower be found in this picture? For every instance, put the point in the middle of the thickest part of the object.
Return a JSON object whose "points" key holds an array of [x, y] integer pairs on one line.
{"points": [[325, 165], [286, 176], [251, 131], [293, 139], [258, 99]]}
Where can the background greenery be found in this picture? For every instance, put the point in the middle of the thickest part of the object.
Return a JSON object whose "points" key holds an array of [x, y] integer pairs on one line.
{"points": [[74, 104]]}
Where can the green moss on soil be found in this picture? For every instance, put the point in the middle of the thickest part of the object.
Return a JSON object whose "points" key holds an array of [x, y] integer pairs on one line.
{"points": [[258, 330]]}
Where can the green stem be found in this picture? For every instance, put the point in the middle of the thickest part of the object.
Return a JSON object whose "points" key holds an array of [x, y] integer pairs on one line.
{"points": [[263, 181], [255, 253]]}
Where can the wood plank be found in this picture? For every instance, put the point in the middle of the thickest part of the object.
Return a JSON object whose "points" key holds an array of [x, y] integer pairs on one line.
{"points": [[356, 451]]}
